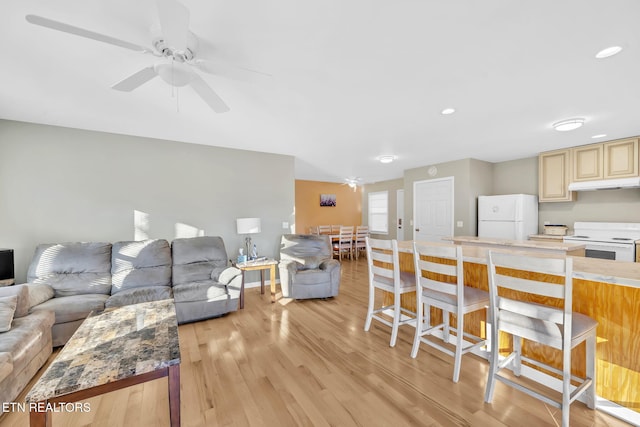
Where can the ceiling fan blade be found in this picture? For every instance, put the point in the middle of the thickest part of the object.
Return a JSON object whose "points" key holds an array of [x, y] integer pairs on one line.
{"points": [[66, 28], [135, 80], [208, 95], [174, 20], [220, 68]]}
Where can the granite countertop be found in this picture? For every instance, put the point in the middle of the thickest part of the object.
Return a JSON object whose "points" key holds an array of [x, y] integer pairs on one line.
{"points": [[113, 345], [598, 270], [561, 246]]}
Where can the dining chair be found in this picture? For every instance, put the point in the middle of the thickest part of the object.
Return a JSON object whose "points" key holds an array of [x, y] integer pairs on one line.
{"points": [[384, 274], [314, 230], [439, 274], [335, 229], [324, 229], [528, 314], [359, 243], [344, 244]]}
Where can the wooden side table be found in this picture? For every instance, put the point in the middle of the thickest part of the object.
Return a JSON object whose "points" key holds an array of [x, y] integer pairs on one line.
{"points": [[267, 264]]}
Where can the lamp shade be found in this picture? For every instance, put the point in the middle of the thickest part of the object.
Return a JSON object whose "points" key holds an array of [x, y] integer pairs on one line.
{"points": [[248, 225]]}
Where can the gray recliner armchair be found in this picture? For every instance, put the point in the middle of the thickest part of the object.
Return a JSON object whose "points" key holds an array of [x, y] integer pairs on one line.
{"points": [[307, 267]]}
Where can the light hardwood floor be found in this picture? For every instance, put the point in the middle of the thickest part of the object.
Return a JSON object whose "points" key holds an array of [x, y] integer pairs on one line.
{"points": [[311, 363]]}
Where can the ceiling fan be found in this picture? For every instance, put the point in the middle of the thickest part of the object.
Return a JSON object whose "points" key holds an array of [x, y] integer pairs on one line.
{"points": [[353, 182], [176, 44]]}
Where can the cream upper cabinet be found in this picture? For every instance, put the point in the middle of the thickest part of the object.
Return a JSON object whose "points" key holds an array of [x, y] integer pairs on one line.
{"points": [[621, 158], [588, 163], [609, 160], [553, 176]]}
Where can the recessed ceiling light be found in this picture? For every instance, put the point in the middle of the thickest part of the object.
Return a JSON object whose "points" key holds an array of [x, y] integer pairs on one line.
{"points": [[610, 51], [600, 135], [387, 158], [569, 124], [448, 111]]}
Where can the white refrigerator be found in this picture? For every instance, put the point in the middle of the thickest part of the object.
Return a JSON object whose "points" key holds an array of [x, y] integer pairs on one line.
{"points": [[510, 216]]}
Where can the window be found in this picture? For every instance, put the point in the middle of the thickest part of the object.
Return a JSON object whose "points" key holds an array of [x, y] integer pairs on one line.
{"points": [[379, 212]]}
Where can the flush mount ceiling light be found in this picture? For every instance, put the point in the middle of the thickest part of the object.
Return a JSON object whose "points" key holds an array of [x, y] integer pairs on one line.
{"points": [[608, 52], [387, 158], [569, 124], [600, 135], [448, 111]]}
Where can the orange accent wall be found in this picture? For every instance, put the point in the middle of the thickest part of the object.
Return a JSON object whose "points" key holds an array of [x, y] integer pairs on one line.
{"points": [[348, 209]]}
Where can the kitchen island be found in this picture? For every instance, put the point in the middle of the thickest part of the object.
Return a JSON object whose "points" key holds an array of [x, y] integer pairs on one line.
{"points": [[607, 291]]}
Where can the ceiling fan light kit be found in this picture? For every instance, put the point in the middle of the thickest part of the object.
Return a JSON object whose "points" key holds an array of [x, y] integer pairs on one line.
{"points": [[174, 42]]}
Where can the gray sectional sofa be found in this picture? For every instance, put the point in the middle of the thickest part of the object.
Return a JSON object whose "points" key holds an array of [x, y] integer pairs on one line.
{"points": [[69, 280], [97, 275]]}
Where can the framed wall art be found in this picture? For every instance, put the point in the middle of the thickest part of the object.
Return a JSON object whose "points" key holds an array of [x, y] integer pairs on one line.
{"points": [[327, 200]]}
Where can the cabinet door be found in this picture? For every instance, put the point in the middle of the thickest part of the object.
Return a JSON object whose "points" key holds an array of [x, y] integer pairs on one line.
{"points": [[621, 158], [587, 163], [553, 177]]}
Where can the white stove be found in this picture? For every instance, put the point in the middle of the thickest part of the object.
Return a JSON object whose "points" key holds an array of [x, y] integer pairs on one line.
{"points": [[607, 240]]}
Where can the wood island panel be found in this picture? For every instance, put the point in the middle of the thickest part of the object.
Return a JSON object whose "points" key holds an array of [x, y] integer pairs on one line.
{"points": [[616, 308]]}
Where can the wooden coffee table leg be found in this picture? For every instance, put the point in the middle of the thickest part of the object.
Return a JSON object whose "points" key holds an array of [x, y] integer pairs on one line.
{"points": [[174, 395], [242, 291], [39, 419], [272, 278], [261, 281]]}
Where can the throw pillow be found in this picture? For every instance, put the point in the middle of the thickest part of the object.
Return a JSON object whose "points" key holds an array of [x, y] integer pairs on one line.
{"points": [[228, 275], [7, 308], [39, 293]]}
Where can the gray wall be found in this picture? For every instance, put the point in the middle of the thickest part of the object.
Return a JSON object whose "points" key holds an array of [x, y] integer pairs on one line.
{"points": [[516, 176], [60, 184]]}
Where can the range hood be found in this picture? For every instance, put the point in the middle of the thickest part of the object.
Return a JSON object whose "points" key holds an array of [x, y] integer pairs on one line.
{"points": [[605, 184]]}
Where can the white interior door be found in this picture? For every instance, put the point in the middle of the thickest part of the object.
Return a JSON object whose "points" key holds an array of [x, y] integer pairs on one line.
{"points": [[433, 209], [400, 215]]}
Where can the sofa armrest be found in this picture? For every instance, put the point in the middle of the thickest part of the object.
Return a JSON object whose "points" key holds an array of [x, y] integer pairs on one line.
{"points": [[39, 293]]}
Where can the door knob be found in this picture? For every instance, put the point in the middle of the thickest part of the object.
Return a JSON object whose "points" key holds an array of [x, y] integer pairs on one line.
{"points": [[417, 229]]}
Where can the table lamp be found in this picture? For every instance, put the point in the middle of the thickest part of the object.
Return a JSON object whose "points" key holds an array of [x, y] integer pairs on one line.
{"points": [[248, 226]]}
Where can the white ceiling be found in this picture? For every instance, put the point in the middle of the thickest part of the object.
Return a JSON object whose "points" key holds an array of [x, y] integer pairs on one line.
{"points": [[349, 79]]}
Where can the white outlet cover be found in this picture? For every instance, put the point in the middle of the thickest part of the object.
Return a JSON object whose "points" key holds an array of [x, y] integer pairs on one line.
{"points": [[459, 224], [285, 225]]}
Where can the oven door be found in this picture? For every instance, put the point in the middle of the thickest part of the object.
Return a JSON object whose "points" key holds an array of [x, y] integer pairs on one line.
{"points": [[613, 251]]}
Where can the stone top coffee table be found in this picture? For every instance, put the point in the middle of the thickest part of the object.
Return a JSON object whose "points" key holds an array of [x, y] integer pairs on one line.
{"points": [[112, 349]]}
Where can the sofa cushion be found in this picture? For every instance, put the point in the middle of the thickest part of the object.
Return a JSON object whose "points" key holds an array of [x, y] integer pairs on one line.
{"points": [[76, 307], [6, 366], [142, 263], [139, 295], [7, 309], [26, 338], [206, 290], [195, 258], [22, 294], [39, 293], [72, 268]]}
